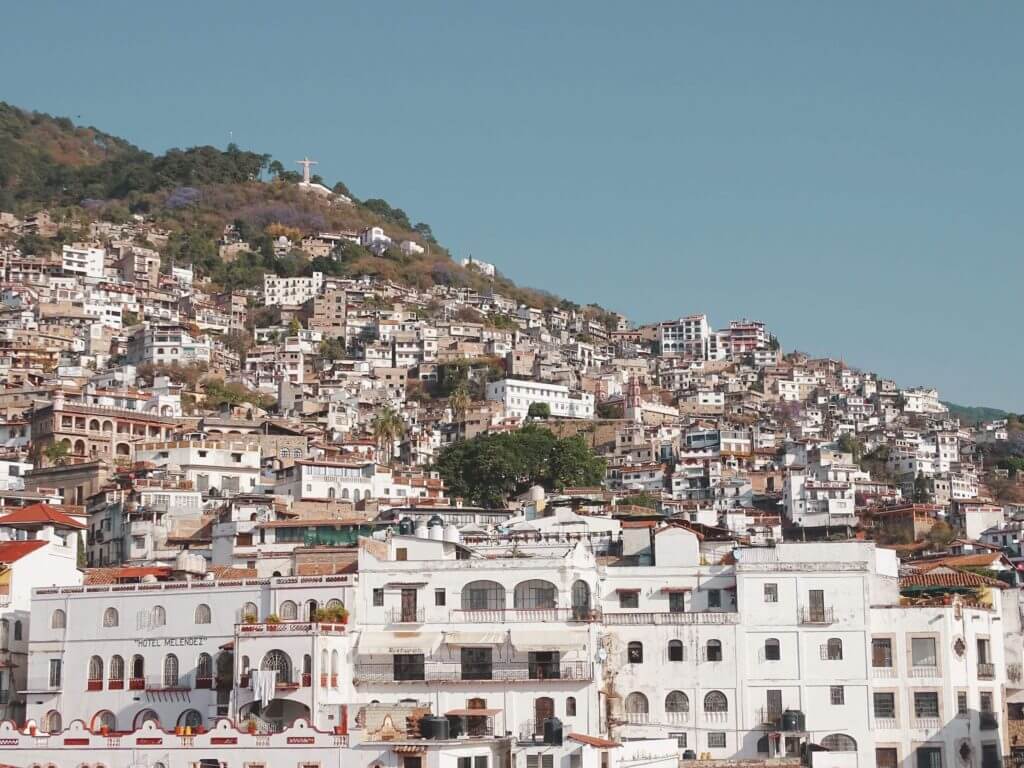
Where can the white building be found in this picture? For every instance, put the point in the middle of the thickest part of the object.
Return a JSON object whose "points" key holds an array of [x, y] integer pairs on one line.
{"points": [[517, 395], [83, 260], [291, 291], [688, 336], [228, 467]]}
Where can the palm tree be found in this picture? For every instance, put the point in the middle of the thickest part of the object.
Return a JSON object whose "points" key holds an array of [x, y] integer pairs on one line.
{"points": [[387, 426], [459, 402]]}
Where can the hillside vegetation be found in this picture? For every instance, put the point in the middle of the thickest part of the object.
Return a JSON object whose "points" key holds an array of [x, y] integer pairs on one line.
{"points": [[82, 173]]}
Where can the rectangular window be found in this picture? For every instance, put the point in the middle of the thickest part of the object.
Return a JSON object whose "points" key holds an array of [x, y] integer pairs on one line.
{"points": [[408, 666], [477, 663], [715, 600], [680, 739], [55, 670], [440, 597], [989, 756], [961, 702], [716, 740], [771, 593], [886, 757], [480, 761], [378, 596], [837, 694], [401, 554], [465, 762], [928, 757], [885, 705], [926, 704], [922, 652], [881, 652], [629, 599], [677, 602]]}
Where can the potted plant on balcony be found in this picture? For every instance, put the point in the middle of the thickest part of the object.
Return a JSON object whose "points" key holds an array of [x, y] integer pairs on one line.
{"points": [[273, 620], [249, 618], [252, 726]]}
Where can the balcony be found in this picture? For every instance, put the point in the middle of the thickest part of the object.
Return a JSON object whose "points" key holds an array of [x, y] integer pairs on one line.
{"points": [[136, 683], [405, 616], [886, 673], [986, 671], [115, 685], [820, 616], [204, 681], [517, 615], [292, 628], [924, 671], [94, 685], [43, 685], [647, 618], [886, 723], [988, 721], [455, 672], [636, 718], [926, 723]]}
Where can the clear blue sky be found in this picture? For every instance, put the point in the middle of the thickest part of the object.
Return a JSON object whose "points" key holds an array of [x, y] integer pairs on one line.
{"points": [[849, 173]]}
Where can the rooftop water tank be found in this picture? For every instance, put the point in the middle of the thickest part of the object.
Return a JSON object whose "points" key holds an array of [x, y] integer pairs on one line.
{"points": [[421, 530], [451, 533]]}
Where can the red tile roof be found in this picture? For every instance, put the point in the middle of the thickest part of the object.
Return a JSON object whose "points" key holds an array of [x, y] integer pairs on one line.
{"points": [[12, 551], [950, 578], [40, 513]]}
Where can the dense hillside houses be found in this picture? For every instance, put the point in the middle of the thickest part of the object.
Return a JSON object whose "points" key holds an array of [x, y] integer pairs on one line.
{"points": [[285, 483]]}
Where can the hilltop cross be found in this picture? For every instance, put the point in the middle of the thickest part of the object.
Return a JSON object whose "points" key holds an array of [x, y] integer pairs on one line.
{"points": [[306, 165]]}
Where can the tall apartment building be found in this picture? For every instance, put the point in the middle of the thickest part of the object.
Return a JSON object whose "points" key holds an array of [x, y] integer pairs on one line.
{"points": [[517, 395], [689, 337]]}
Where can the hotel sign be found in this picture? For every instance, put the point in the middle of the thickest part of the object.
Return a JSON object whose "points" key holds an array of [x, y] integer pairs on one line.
{"points": [[164, 642]]}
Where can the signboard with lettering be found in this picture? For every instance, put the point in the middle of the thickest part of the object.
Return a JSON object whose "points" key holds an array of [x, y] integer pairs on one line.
{"points": [[164, 642], [301, 740]]}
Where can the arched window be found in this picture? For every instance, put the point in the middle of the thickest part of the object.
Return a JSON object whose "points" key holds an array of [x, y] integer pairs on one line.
{"points": [[204, 668], [170, 671], [570, 706], [580, 600], [636, 707], [138, 667], [104, 718], [52, 722], [95, 669], [307, 669], [334, 604], [311, 609], [244, 664], [535, 594], [17, 630], [190, 718], [677, 706], [635, 652], [280, 661], [331, 493], [335, 664], [146, 716], [324, 667], [159, 616], [834, 649], [58, 619], [715, 701], [839, 742], [344, 493], [116, 669], [771, 650], [714, 650], [110, 618], [675, 650], [483, 596], [762, 745], [249, 611], [289, 611], [203, 615]]}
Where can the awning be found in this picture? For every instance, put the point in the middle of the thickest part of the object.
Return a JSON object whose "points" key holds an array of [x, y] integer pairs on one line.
{"points": [[472, 712], [490, 637], [387, 643], [677, 589], [627, 590], [549, 639]]}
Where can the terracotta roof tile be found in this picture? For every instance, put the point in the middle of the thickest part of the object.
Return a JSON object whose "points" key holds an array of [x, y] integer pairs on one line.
{"points": [[11, 551], [40, 513]]}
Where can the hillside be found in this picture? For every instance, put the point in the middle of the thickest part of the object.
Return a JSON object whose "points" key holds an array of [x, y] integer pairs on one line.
{"points": [[973, 414], [81, 173]]}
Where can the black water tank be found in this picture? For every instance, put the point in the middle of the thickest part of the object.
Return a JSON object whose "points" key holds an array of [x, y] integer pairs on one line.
{"points": [[689, 754], [553, 731], [434, 727], [406, 526], [793, 720]]}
